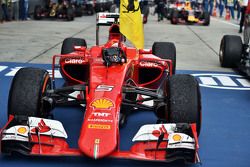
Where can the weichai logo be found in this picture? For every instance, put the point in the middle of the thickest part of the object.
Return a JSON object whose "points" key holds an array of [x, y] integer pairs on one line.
{"points": [[223, 81]]}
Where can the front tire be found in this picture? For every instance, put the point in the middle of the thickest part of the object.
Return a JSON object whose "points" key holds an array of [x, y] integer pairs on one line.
{"points": [[231, 48], [184, 100], [26, 93], [165, 50]]}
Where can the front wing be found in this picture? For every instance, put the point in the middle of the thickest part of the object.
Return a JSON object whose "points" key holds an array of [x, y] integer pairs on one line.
{"points": [[154, 142]]}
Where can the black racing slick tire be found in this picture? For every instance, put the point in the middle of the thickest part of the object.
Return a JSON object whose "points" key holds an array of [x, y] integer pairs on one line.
{"points": [[206, 19], [70, 14], [165, 50], [69, 43], [175, 17], [26, 93], [231, 48], [38, 12], [184, 100]]}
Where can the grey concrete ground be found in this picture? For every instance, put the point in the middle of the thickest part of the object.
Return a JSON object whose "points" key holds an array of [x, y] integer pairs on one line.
{"points": [[37, 41]]}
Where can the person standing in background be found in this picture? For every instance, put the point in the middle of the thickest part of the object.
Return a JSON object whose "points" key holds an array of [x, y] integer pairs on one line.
{"points": [[24, 8], [211, 6], [230, 7], [205, 5], [243, 11], [21, 9], [5, 10], [237, 6], [1, 12], [221, 7], [15, 9]]}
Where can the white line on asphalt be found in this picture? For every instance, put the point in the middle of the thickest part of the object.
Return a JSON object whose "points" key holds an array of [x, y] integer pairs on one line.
{"points": [[226, 81], [208, 81], [244, 82], [226, 22]]}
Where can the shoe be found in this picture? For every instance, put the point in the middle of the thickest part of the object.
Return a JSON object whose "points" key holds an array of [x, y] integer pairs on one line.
{"points": [[240, 31]]}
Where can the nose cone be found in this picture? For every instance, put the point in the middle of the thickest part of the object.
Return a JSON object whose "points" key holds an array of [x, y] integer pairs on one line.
{"points": [[98, 140]]}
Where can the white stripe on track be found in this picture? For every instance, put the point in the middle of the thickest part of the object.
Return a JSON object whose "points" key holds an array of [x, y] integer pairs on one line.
{"points": [[225, 22]]}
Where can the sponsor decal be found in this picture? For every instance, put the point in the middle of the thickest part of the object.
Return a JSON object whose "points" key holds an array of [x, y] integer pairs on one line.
{"points": [[223, 81], [102, 103], [98, 126], [101, 114], [177, 137], [41, 127], [102, 16], [100, 120], [148, 64], [104, 88], [73, 61], [97, 141], [22, 130], [161, 131]]}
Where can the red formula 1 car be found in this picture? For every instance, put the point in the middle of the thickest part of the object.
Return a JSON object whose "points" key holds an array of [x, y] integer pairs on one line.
{"points": [[183, 12], [109, 81]]}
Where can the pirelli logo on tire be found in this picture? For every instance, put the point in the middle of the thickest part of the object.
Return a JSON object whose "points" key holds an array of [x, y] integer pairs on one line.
{"points": [[99, 126]]}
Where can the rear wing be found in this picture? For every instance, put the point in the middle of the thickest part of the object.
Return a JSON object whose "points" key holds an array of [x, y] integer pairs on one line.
{"points": [[105, 19]]}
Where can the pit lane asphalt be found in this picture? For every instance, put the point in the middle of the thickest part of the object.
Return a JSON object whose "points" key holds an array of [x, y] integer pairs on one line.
{"points": [[37, 41]]}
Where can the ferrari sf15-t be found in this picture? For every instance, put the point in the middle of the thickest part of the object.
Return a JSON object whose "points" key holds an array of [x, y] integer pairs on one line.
{"points": [[109, 82]]}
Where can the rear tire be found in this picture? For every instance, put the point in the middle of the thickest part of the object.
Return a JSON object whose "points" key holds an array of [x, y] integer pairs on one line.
{"points": [[206, 19], [38, 12], [26, 92], [175, 17], [69, 43], [184, 101], [231, 48], [70, 14], [165, 50]]}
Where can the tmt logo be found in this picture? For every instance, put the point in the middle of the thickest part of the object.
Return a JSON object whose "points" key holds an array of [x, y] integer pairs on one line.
{"points": [[223, 81], [101, 114]]}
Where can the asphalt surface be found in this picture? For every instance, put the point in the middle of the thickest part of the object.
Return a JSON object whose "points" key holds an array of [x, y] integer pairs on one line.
{"points": [[37, 41]]}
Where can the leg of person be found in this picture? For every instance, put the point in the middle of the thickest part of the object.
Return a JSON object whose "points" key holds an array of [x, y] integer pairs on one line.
{"points": [[231, 8], [238, 10], [21, 9], [221, 7], [26, 8], [15, 10], [5, 12], [1, 12], [10, 10], [243, 9], [211, 6]]}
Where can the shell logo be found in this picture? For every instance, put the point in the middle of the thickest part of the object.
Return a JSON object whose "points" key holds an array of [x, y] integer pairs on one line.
{"points": [[22, 130], [102, 104]]}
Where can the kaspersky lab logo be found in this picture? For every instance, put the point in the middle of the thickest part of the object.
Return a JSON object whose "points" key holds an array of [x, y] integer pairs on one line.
{"points": [[223, 81]]}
